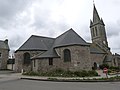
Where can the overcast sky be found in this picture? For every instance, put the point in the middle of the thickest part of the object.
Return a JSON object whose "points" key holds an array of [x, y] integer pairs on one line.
{"points": [[19, 19]]}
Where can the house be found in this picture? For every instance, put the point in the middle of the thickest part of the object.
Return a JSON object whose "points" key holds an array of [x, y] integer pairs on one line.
{"points": [[69, 51], [116, 60], [4, 54]]}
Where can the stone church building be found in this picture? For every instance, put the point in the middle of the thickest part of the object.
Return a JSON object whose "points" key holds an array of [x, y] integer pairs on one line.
{"points": [[69, 51], [4, 54]]}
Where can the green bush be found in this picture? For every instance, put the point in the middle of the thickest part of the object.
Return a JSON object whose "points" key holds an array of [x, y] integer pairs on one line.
{"points": [[92, 73], [114, 68], [104, 66], [31, 73], [84, 73], [63, 73], [109, 71]]}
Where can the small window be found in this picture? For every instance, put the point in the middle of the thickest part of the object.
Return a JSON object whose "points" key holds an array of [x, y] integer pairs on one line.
{"points": [[50, 61], [0, 55], [67, 55], [27, 58]]}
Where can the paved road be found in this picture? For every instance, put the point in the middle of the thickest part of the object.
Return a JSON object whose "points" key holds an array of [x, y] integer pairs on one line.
{"points": [[11, 81], [8, 75], [6, 72], [44, 85]]}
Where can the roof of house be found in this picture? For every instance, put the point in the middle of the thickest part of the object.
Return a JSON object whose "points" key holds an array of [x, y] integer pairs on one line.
{"points": [[108, 58], [4, 44], [95, 49], [37, 43], [69, 38], [44, 43], [51, 53]]}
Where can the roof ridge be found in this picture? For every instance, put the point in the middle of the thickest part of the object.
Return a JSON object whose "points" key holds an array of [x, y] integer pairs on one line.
{"points": [[64, 33], [42, 36]]}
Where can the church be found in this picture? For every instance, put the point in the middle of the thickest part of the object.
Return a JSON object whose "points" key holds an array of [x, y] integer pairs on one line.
{"points": [[69, 51]]}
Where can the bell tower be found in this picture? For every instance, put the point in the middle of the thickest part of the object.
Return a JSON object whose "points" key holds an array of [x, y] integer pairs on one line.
{"points": [[97, 28]]}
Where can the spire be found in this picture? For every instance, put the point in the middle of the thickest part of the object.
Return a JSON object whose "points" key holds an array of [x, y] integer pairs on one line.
{"points": [[91, 23], [102, 22], [96, 17]]}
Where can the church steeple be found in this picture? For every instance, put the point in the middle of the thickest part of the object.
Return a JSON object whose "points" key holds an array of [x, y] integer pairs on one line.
{"points": [[96, 17], [97, 28]]}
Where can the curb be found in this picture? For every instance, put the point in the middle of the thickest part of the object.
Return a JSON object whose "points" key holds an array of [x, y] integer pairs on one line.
{"points": [[63, 80]]}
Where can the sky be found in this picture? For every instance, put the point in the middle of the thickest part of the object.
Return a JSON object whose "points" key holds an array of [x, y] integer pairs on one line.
{"points": [[19, 19]]}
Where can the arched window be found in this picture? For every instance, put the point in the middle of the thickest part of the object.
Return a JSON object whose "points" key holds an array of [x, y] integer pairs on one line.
{"points": [[95, 65], [67, 55], [27, 58]]}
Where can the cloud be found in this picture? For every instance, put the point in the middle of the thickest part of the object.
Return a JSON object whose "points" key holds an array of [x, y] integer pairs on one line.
{"points": [[113, 30], [9, 9], [45, 19], [19, 19]]}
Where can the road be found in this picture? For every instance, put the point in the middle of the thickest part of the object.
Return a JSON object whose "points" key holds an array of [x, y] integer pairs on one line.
{"points": [[9, 81], [19, 84]]}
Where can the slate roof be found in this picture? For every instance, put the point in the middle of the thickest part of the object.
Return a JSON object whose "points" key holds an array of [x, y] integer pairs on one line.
{"points": [[96, 17], [3, 45], [108, 58], [51, 53], [37, 43], [95, 49], [69, 38], [116, 54]]}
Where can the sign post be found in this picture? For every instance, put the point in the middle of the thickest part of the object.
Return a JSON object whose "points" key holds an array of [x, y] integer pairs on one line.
{"points": [[105, 70]]}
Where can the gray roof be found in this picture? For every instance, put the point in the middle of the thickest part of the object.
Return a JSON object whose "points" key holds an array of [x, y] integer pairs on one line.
{"points": [[51, 53], [69, 38], [37, 43], [116, 54], [108, 58], [3, 45], [44, 43], [96, 17], [95, 49]]}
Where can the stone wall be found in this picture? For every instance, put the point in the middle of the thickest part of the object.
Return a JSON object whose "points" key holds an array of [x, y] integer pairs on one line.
{"points": [[42, 65], [80, 60], [97, 58], [116, 61], [19, 60], [80, 57], [4, 58]]}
